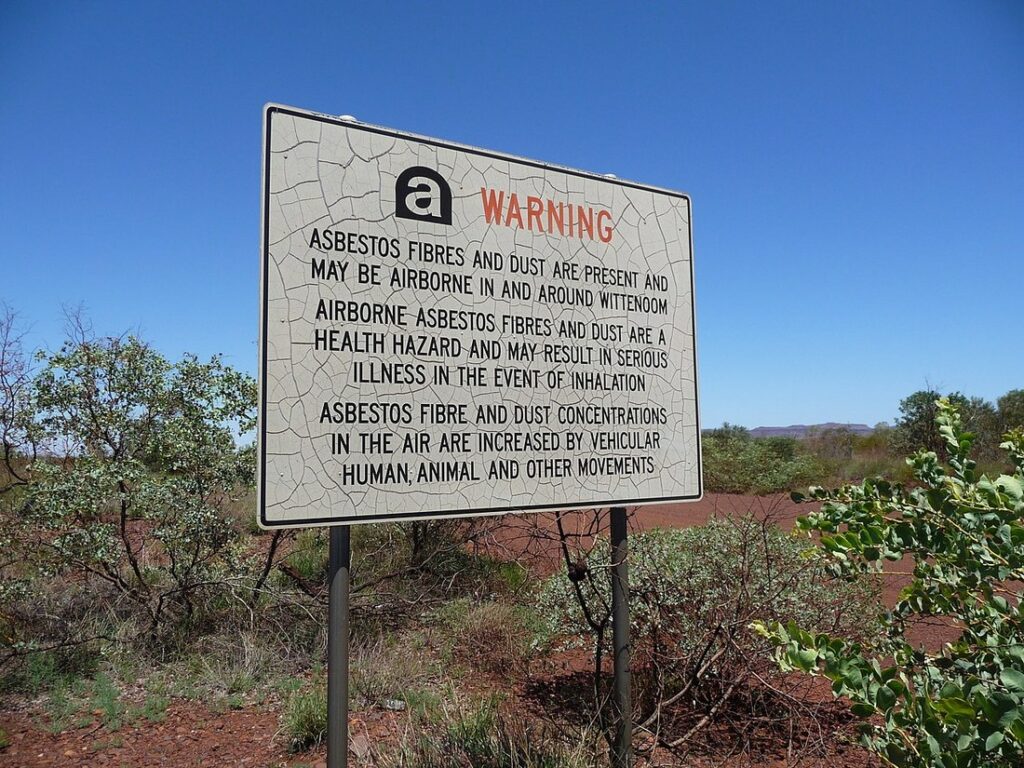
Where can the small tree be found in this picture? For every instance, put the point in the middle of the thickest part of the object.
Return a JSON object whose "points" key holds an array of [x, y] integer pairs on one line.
{"points": [[834, 444], [915, 429], [17, 450], [982, 420], [1011, 410], [962, 705], [140, 465]]}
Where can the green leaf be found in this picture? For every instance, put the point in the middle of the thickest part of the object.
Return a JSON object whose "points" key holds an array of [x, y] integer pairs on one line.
{"points": [[896, 686], [805, 659], [1012, 679], [955, 707], [994, 741], [962, 707], [885, 698], [1010, 486], [862, 710], [1017, 729]]}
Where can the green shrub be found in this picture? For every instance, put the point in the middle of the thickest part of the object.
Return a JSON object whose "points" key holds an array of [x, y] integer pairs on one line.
{"points": [[961, 706], [692, 594], [136, 506], [687, 580], [734, 462]]}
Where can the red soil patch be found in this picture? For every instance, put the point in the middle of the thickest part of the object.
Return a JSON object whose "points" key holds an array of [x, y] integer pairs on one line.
{"points": [[190, 735]]}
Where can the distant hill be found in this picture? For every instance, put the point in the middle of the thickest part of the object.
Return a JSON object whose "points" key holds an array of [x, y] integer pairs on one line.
{"points": [[802, 430]]}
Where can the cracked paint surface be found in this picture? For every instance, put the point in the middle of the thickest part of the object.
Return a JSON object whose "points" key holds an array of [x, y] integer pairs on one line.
{"points": [[326, 174]]}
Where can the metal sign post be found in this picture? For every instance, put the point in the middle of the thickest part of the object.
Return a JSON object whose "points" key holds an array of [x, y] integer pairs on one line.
{"points": [[337, 647], [622, 745]]}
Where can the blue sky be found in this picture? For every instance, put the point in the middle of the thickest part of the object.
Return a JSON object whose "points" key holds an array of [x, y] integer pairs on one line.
{"points": [[856, 169]]}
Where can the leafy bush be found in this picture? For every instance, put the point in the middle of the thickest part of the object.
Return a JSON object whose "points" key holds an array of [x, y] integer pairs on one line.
{"points": [[149, 458], [135, 470], [692, 594], [1011, 410], [963, 705], [690, 578], [734, 462]]}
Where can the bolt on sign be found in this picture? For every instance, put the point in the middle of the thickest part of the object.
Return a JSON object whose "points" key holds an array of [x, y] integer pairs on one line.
{"points": [[450, 331]]}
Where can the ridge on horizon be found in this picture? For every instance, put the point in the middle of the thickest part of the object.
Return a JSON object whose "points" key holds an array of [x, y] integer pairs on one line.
{"points": [[803, 430]]}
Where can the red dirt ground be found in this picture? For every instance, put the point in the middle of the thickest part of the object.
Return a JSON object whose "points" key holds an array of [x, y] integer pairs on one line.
{"points": [[191, 735]]}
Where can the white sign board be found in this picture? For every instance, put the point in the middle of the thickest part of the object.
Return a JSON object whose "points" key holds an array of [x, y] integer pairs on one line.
{"points": [[448, 331]]}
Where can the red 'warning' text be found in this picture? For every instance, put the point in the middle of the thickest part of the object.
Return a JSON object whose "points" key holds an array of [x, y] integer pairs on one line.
{"points": [[540, 215]]}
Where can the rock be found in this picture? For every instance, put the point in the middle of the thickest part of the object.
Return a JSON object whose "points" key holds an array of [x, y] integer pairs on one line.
{"points": [[394, 705]]}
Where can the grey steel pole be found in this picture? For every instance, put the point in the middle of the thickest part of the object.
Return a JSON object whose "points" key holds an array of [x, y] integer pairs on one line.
{"points": [[622, 746], [337, 647]]}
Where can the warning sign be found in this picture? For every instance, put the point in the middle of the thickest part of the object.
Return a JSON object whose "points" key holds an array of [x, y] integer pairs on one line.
{"points": [[451, 331]]}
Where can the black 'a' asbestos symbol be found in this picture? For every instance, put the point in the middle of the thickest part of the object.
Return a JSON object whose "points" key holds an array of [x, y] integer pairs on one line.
{"points": [[422, 194]]}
